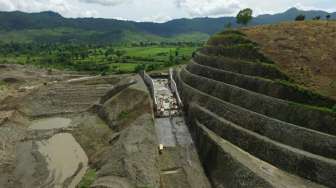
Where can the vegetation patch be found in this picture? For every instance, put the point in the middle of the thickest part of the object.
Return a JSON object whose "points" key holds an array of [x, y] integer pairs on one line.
{"points": [[229, 39], [318, 108], [248, 52], [99, 59], [123, 115], [334, 108], [3, 86], [88, 179], [234, 44], [309, 97], [232, 31]]}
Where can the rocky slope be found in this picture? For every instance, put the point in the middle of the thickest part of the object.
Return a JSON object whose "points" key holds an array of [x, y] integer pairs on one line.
{"points": [[254, 126]]}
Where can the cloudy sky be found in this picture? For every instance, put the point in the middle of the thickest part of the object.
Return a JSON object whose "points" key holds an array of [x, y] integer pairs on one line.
{"points": [[160, 10]]}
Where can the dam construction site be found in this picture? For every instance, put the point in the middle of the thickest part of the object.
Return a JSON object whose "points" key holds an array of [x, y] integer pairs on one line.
{"points": [[235, 116]]}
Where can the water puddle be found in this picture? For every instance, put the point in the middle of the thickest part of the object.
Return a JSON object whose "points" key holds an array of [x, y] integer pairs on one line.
{"points": [[66, 160], [50, 123]]}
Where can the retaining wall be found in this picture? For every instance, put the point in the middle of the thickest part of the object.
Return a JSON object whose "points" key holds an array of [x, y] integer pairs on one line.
{"points": [[222, 168], [261, 85], [173, 87], [250, 52], [296, 161], [150, 84], [269, 106], [241, 66], [307, 165], [290, 134]]}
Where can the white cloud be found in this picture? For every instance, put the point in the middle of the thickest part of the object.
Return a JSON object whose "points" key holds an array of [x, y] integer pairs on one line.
{"points": [[5, 5], [63, 7], [106, 2], [156, 18], [209, 7], [159, 10]]}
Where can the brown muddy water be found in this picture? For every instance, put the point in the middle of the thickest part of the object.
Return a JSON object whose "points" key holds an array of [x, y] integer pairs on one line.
{"points": [[66, 160], [50, 123]]}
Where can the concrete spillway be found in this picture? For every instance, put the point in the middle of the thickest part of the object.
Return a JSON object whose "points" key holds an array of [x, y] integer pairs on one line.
{"points": [[179, 162], [169, 122]]}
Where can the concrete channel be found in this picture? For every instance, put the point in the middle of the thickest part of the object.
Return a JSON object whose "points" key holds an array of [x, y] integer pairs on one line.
{"points": [[179, 162]]}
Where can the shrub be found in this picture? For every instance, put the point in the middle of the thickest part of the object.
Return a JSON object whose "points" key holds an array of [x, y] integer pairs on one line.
{"points": [[334, 108], [300, 17], [317, 18], [123, 115], [229, 39], [88, 179], [232, 31], [140, 67]]}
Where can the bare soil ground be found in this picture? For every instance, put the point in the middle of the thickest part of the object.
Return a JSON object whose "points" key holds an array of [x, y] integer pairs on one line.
{"points": [[30, 95], [303, 50], [109, 117]]}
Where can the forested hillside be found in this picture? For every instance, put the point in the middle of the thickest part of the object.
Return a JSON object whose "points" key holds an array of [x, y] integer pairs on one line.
{"points": [[52, 27]]}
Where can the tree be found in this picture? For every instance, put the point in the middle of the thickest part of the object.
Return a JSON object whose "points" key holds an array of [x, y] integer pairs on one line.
{"points": [[244, 16], [328, 17], [140, 67], [317, 18], [120, 53], [300, 17], [177, 52], [229, 25]]}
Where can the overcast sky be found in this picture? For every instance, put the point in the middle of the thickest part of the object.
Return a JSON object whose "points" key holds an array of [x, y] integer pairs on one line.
{"points": [[160, 10]]}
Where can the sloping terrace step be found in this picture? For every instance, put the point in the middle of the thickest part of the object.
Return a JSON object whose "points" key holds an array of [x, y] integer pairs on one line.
{"points": [[261, 85], [269, 106], [229, 166], [240, 66], [290, 134], [305, 164]]}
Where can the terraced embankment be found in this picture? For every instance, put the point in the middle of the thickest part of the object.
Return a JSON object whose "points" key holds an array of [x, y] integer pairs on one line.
{"points": [[252, 125]]}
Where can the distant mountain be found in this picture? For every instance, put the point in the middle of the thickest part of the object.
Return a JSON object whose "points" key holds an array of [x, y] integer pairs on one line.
{"points": [[290, 15], [52, 27]]}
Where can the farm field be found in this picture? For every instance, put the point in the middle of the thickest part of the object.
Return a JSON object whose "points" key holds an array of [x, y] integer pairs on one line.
{"points": [[98, 59]]}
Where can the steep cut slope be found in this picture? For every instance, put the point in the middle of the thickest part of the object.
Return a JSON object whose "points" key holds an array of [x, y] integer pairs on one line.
{"points": [[254, 126], [305, 51]]}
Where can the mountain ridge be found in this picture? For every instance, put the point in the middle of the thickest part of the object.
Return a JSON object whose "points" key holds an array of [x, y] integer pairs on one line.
{"points": [[13, 22]]}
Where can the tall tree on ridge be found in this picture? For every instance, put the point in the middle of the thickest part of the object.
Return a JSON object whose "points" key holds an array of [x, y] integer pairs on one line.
{"points": [[244, 16]]}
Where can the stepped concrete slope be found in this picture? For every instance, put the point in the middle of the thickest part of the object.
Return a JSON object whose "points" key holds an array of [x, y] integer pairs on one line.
{"points": [[252, 124]]}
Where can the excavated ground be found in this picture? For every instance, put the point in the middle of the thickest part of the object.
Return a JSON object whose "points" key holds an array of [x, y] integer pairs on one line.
{"points": [[56, 126]]}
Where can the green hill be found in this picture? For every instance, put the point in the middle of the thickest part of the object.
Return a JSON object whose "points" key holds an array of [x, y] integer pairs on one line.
{"points": [[52, 27]]}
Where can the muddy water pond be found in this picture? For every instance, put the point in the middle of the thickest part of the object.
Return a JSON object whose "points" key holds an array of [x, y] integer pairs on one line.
{"points": [[66, 160], [50, 123]]}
